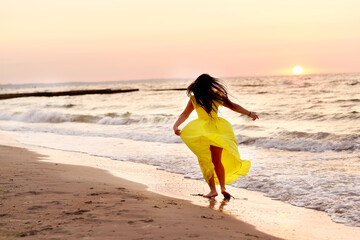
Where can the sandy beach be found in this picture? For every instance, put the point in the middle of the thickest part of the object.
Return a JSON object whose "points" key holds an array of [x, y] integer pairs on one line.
{"points": [[56, 201]]}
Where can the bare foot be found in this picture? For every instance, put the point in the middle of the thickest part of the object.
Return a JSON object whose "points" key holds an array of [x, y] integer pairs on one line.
{"points": [[226, 194], [210, 195]]}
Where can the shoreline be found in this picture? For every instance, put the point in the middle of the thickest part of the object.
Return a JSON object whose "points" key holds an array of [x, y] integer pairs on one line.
{"points": [[268, 216], [56, 201]]}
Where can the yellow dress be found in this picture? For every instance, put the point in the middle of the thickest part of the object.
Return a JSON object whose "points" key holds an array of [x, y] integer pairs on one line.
{"points": [[200, 133]]}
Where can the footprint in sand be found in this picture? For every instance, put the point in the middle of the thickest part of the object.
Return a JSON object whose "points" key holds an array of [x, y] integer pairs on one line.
{"points": [[36, 207]]}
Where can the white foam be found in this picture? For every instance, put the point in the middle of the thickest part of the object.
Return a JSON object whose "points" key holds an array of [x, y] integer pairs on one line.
{"points": [[137, 119], [35, 116], [305, 145], [112, 121]]}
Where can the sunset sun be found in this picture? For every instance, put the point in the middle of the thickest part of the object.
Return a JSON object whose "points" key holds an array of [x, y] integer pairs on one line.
{"points": [[297, 70]]}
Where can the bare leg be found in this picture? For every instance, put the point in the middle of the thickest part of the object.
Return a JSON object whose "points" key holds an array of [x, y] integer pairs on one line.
{"points": [[219, 168], [213, 192]]}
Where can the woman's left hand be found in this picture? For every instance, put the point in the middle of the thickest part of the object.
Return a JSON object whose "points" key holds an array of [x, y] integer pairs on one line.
{"points": [[177, 131], [254, 116]]}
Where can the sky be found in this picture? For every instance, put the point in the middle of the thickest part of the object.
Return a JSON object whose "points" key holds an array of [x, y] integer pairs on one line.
{"points": [[48, 41]]}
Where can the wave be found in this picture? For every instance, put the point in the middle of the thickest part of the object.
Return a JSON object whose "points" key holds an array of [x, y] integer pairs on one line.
{"points": [[331, 192], [350, 115], [35, 116], [70, 105], [320, 136], [148, 133], [305, 142], [154, 124], [155, 119], [113, 121], [41, 116]]}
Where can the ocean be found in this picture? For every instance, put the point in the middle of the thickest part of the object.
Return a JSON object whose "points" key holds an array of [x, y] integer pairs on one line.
{"points": [[304, 149]]}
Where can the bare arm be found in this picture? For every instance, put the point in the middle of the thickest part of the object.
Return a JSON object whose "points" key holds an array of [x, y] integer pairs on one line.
{"points": [[237, 108], [183, 116]]}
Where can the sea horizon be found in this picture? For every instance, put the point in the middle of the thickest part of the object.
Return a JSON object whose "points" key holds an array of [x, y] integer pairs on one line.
{"points": [[97, 82]]}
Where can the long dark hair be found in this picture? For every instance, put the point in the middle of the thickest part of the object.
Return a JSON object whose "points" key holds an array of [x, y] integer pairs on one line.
{"points": [[203, 89]]}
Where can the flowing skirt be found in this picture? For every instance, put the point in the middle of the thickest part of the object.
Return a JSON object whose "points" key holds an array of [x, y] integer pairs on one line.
{"points": [[199, 134]]}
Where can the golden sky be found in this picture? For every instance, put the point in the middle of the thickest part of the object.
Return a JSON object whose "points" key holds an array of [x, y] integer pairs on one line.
{"points": [[87, 40]]}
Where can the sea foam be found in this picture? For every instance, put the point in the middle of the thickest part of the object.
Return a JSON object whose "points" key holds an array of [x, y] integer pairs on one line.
{"points": [[35, 116], [297, 144]]}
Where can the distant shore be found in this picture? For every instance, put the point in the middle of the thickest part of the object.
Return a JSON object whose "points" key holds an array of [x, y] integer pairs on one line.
{"points": [[77, 92], [65, 93]]}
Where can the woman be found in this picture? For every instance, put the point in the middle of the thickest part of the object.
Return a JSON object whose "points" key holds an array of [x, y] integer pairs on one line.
{"points": [[210, 137]]}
